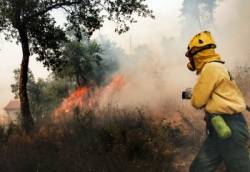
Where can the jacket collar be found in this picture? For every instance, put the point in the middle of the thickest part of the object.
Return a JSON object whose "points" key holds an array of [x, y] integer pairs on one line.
{"points": [[204, 57]]}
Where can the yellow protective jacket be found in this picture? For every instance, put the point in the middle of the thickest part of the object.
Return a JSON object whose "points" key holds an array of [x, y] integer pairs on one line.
{"points": [[215, 90]]}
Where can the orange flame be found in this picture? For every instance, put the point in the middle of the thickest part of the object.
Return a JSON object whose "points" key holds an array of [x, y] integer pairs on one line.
{"points": [[75, 99], [115, 85], [87, 98]]}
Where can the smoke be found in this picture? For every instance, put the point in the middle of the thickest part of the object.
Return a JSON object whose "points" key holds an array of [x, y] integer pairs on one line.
{"points": [[201, 11], [227, 20], [197, 15], [232, 32], [154, 77], [156, 74]]}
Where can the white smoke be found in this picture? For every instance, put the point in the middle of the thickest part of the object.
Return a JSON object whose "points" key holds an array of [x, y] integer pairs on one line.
{"points": [[156, 74], [197, 15], [232, 31]]}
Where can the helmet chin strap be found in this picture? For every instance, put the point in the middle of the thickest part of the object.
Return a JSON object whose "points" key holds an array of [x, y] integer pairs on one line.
{"points": [[191, 65]]}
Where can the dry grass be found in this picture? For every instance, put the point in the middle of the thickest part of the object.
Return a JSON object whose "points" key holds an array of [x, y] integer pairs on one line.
{"points": [[110, 140]]}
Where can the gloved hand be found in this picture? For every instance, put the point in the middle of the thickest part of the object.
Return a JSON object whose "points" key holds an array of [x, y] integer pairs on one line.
{"points": [[187, 94]]}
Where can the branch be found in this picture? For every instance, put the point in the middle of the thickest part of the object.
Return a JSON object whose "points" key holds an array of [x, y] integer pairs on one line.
{"points": [[54, 6], [65, 9]]}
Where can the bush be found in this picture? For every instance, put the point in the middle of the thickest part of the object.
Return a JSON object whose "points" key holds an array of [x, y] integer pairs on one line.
{"points": [[110, 140]]}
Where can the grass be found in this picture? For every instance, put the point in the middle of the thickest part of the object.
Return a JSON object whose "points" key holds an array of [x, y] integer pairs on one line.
{"points": [[108, 140]]}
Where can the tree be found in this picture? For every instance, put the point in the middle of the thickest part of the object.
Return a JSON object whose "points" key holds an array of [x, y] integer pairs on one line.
{"points": [[29, 22], [15, 86], [81, 60], [90, 62], [112, 56], [44, 95]]}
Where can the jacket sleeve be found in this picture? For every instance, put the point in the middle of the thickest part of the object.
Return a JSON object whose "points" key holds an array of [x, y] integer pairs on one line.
{"points": [[205, 85]]}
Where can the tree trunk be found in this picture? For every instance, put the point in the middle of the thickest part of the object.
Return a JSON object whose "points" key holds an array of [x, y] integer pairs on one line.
{"points": [[27, 120], [78, 82], [81, 81]]}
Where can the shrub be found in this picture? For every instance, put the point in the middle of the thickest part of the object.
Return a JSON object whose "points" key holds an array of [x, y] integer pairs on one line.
{"points": [[108, 140]]}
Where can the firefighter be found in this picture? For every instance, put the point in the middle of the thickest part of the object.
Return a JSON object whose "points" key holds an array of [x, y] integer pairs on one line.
{"points": [[217, 93]]}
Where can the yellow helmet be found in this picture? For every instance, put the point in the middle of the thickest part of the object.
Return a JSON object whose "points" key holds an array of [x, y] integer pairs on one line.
{"points": [[201, 41]]}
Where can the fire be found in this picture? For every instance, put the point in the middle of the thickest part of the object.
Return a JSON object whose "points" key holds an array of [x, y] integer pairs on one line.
{"points": [[115, 85], [86, 97], [75, 99]]}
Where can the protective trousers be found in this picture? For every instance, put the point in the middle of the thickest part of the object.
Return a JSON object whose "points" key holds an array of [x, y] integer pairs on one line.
{"points": [[232, 151]]}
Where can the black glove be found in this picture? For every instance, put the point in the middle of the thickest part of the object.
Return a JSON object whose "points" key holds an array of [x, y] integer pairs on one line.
{"points": [[187, 94]]}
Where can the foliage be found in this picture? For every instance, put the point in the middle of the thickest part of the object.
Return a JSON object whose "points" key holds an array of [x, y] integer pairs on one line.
{"points": [[83, 16], [31, 24], [90, 62], [44, 95], [49, 94], [15, 87], [112, 56], [82, 60], [110, 140]]}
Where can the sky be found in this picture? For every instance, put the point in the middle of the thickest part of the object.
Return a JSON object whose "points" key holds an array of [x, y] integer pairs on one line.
{"points": [[231, 29]]}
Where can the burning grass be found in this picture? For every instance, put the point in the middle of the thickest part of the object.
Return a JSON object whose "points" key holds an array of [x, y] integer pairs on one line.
{"points": [[88, 97]]}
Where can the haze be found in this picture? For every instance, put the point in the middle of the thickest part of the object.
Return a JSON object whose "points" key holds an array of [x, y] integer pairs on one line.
{"points": [[231, 29]]}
